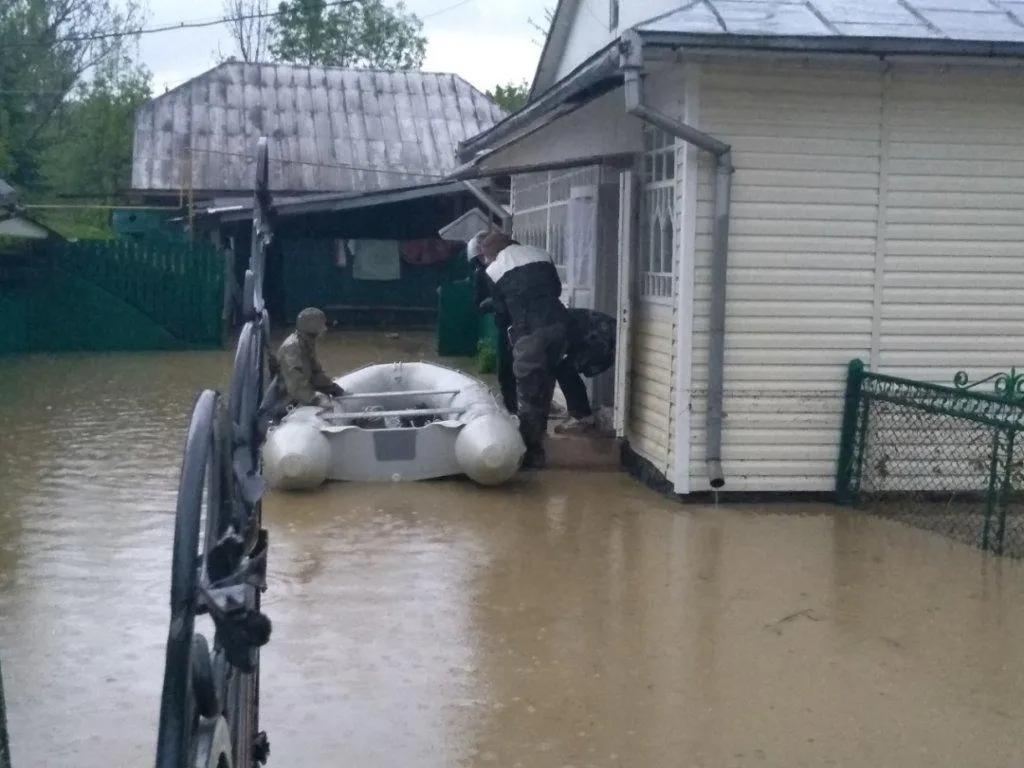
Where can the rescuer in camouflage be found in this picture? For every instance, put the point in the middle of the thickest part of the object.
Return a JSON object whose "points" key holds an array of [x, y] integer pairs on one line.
{"points": [[298, 378]]}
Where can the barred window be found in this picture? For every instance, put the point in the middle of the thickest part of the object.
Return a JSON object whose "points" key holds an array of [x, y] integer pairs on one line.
{"points": [[656, 262]]}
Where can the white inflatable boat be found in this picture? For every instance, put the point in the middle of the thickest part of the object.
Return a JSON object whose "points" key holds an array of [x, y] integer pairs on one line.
{"points": [[397, 422]]}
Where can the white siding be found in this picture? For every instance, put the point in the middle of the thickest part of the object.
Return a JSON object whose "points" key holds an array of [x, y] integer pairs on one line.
{"points": [[874, 216], [651, 417], [590, 32], [801, 266], [954, 229]]}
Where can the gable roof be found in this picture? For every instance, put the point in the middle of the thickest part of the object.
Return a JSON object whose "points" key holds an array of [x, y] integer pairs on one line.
{"points": [[923, 26], [330, 129]]}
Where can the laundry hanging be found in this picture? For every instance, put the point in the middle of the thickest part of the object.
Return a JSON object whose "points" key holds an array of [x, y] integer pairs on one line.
{"points": [[375, 260]]}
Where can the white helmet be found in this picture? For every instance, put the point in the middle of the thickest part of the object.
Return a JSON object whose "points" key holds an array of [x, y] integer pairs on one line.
{"points": [[475, 246]]}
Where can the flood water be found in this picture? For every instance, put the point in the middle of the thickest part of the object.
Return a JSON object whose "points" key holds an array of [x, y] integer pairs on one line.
{"points": [[565, 620]]}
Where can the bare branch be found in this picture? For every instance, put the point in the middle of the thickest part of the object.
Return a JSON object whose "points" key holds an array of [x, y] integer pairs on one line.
{"points": [[250, 27]]}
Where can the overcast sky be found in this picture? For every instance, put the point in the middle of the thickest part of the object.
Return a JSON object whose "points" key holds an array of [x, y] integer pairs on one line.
{"points": [[488, 42]]}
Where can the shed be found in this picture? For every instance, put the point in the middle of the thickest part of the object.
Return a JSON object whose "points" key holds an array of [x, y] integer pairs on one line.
{"points": [[354, 154], [875, 159]]}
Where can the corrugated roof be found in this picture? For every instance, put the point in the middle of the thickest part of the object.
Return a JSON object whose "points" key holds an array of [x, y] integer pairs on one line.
{"points": [[961, 20], [330, 130]]}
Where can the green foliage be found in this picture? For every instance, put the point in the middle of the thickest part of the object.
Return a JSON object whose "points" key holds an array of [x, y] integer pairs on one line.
{"points": [[368, 33], [47, 46], [88, 146], [486, 356], [511, 97]]}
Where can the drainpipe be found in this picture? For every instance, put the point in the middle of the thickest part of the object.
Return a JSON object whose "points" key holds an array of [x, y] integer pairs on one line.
{"points": [[632, 63], [492, 205]]}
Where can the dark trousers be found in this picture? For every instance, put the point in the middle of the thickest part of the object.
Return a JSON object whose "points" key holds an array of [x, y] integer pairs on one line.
{"points": [[535, 357], [577, 401]]}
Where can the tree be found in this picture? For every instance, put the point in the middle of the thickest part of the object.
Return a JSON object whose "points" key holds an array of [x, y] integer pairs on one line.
{"points": [[250, 26], [47, 46], [511, 97], [89, 146], [365, 33]]}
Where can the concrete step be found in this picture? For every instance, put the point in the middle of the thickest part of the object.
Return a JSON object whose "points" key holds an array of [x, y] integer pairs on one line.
{"points": [[591, 452]]}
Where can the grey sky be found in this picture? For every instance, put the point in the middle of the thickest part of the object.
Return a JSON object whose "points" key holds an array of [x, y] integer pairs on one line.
{"points": [[488, 42]]}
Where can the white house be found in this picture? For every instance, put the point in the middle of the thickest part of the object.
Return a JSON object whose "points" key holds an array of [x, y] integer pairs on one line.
{"points": [[875, 150]]}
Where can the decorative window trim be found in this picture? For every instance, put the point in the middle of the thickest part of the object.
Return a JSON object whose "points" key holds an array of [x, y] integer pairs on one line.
{"points": [[656, 262]]}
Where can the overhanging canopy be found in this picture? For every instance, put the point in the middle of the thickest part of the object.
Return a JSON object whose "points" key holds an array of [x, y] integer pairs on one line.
{"points": [[594, 129]]}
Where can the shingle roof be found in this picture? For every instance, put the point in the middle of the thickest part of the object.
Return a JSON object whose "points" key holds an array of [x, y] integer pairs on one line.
{"points": [[330, 130], [963, 20]]}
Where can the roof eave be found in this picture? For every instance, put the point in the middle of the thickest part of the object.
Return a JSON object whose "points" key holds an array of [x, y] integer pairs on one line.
{"points": [[554, 41], [321, 203], [832, 44], [600, 67]]}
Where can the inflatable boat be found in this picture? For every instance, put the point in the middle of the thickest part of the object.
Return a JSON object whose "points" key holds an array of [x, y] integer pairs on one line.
{"points": [[396, 422]]}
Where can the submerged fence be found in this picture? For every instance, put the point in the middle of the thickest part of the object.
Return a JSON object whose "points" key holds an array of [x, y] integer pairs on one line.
{"points": [[209, 708], [946, 458]]}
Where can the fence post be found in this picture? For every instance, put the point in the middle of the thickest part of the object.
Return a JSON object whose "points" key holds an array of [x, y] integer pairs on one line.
{"points": [[851, 411]]}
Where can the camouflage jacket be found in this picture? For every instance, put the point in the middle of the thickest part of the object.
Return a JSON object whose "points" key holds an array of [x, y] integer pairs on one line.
{"points": [[591, 341], [299, 369]]}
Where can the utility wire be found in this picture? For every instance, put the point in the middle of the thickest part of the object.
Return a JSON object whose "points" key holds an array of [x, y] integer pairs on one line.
{"points": [[200, 24], [172, 27], [345, 166]]}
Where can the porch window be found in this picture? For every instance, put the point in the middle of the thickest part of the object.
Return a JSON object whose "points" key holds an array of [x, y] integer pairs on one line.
{"points": [[656, 264], [540, 203]]}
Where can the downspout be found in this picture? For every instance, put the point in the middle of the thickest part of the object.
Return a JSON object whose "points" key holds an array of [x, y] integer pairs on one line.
{"points": [[492, 205], [632, 63]]}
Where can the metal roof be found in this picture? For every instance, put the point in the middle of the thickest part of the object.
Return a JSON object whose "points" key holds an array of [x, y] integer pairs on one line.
{"points": [[959, 20], [239, 208], [330, 130], [970, 27]]}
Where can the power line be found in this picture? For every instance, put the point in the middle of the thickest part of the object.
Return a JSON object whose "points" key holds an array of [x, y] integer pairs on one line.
{"points": [[173, 27], [343, 166], [445, 10]]}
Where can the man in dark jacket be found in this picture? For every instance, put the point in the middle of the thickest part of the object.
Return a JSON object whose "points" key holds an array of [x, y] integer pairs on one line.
{"points": [[525, 288], [485, 305]]}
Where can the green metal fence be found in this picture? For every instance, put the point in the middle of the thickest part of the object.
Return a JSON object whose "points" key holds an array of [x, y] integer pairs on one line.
{"points": [[178, 284], [944, 458]]}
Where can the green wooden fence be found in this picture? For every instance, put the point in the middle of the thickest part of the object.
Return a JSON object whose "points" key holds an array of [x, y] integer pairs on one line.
{"points": [[111, 295], [179, 285]]}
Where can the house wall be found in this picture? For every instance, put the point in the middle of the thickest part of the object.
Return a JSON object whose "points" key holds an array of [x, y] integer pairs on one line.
{"points": [[590, 30], [876, 215]]}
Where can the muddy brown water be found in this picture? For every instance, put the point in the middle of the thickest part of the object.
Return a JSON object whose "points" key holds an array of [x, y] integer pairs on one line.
{"points": [[565, 620]]}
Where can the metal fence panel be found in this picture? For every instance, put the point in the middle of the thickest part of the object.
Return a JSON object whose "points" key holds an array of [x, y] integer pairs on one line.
{"points": [[944, 458]]}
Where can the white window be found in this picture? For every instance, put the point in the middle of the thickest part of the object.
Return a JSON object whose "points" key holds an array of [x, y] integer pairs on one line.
{"points": [[656, 262], [540, 203]]}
